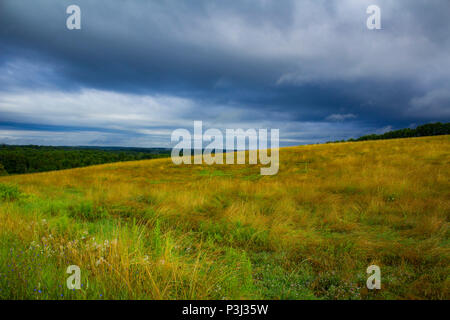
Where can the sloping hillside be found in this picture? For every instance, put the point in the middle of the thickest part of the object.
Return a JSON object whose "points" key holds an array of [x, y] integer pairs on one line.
{"points": [[152, 230]]}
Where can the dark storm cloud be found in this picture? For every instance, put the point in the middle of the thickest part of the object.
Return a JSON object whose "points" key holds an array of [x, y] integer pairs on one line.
{"points": [[228, 63]]}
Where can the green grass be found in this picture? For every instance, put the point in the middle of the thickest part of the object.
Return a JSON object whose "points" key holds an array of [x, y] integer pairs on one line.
{"points": [[9, 193]]}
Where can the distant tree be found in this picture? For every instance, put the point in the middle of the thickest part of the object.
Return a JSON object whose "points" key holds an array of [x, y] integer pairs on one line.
{"points": [[3, 171]]}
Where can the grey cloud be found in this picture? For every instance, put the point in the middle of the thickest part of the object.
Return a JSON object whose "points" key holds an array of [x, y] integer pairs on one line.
{"points": [[230, 62], [340, 117]]}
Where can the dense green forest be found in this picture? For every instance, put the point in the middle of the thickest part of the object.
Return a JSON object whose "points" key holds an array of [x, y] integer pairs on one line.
{"points": [[431, 129], [28, 159]]}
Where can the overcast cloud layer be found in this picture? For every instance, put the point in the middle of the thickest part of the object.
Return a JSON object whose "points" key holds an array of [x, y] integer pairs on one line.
{"points": [[139, 69]]}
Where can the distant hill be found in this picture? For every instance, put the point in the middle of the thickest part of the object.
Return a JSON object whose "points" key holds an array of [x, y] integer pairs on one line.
{"points": [[31, 158]]}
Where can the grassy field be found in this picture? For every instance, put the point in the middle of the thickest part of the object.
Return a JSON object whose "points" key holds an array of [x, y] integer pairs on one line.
{"points": [[153, 230]]}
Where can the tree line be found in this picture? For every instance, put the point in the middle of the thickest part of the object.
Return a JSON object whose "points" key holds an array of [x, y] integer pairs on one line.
{"points": [[430, 129], [29, 159]]}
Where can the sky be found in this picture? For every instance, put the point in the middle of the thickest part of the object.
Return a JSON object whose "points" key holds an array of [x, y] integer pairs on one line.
{"points": [[137, 70]]}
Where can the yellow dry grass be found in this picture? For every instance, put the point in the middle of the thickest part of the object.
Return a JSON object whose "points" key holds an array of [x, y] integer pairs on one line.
{"points": [[224, 231]]}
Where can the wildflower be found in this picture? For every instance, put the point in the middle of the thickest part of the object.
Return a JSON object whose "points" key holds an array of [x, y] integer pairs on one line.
{"points": [[99, 261]]}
